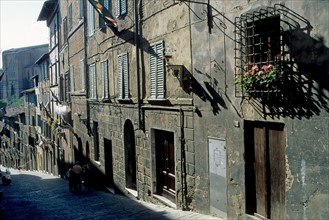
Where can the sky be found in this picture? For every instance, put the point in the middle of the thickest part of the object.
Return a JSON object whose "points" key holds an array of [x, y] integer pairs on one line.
{"points": [[19, 26]]}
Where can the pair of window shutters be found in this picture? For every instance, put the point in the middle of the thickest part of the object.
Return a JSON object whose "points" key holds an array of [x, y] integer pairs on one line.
{"points": [[123, 76], [121, 7], [157, 68]]}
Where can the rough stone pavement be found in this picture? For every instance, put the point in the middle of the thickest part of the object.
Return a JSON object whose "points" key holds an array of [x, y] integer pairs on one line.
{"points": [[37, 195]]}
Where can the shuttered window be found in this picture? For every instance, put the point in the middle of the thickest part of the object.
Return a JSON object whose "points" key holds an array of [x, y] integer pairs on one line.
{"points": [[121, 7], [106, 4], [67, 87], [123, 76], [70, 17], [91, 21], [105, 79], [157, 71], [72, 78], [82, 74], [92, 82], [80, 9]]}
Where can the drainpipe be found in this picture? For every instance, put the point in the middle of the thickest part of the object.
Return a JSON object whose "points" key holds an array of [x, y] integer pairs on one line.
{"points": [[183, 161], [136, 38]]}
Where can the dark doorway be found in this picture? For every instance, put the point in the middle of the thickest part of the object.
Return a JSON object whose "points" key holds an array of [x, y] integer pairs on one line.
{"points": [[108, 162], [165, 164], [87, 152], [130, 155], [265, 169]]}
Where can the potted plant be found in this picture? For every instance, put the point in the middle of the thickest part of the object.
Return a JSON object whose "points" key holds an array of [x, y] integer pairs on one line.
{"points": [[255, 78]]}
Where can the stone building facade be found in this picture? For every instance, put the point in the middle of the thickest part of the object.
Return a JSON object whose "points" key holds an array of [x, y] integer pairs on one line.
{"points": [[19, 67], [159, 113]]}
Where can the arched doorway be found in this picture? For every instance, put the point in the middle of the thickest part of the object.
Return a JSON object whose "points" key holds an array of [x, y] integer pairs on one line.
{"points": [[130, 155]]}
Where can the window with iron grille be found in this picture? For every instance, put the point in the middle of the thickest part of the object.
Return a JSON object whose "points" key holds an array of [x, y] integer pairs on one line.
{"points": [[123, 76], [157, 71], [258, 53]]}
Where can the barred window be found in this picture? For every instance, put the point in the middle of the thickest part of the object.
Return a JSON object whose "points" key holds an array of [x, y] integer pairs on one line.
{"points": [[258, 53]]}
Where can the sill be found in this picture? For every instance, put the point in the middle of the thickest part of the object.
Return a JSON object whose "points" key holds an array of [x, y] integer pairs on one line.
{"points": [[132, 192], [124, 100], [165, 201]]}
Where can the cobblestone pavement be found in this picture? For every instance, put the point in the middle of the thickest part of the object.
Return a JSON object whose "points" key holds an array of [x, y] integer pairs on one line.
{"points": [[36, 195]]}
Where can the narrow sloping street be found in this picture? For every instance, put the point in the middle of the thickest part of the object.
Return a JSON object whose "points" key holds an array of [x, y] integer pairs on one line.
{"points": [[36, 195]]}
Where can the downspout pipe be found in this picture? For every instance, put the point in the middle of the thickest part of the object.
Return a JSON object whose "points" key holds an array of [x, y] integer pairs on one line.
{"points": [[136, 39]]}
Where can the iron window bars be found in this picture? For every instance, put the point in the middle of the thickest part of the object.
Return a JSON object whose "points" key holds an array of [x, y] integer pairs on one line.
{"points": [[258, 42]]}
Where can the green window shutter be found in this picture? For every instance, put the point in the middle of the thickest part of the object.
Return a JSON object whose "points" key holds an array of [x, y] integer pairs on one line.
{"points": [[157, 71]]}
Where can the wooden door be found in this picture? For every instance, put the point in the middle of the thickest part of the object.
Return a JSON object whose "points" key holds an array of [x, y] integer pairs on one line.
{"points": [[165, 156], [265, 149]]}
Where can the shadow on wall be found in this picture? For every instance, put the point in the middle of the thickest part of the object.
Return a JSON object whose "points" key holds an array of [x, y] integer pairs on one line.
{"points": [[305, 61]]}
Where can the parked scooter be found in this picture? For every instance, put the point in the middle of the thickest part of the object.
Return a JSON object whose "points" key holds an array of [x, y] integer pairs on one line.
{"points": [[6, 177]]}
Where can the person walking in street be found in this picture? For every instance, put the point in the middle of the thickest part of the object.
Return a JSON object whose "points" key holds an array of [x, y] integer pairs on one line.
{"points": [[69, 175], [77, 172]]}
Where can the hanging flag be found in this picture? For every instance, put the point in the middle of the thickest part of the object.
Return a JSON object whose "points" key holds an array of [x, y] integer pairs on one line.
{"points": [[105, 13]]}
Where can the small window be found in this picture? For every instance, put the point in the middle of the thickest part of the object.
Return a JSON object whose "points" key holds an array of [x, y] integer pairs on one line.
{"points": [[121, 7], [157, 71], [123, 75]]}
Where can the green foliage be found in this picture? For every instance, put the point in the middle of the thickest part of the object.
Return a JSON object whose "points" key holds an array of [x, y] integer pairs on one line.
{"points": [[12, 102]]}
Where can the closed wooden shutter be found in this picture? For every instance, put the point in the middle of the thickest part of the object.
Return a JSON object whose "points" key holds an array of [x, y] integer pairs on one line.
{"points": [[121, 7], [92, 81], [72, 78], [157, 75], [82, 74], [123, 76], [105, 79]]}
